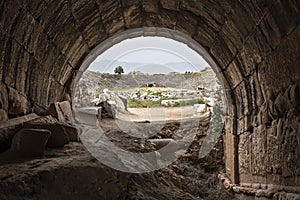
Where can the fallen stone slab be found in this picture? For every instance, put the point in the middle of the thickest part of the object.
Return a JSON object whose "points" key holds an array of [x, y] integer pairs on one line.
{"points": [[18, 120], [30, 142], [62, 111], [88, 115], [10, 127], [58, 136], [71, 132]]}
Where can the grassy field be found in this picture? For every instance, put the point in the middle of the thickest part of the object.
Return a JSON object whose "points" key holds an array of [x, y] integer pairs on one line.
{"points": [[132, 103]]}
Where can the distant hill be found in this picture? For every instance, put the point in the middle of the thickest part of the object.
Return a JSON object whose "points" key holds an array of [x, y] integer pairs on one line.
{"points": [[108, 66]]}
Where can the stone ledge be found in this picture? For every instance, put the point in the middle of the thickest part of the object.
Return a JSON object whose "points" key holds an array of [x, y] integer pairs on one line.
{"points": [[259, 190]]}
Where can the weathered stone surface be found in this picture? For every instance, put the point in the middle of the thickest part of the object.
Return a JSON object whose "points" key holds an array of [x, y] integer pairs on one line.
{"points": [[43, 43], [3, 97], [9, 128], [274, 165], [244, 153], [133, 17], [286, 196], [58, 136], [259, 151], [186, 24], [30, 142], [234, 73], [290, 152], [230, 150], [71, 132], [150, 5], [221, 48], [62, 111], [18, 104], [3, 115], [170, 4], [110, 104]]}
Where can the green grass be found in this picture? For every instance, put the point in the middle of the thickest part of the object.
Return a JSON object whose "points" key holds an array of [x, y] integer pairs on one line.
{"points": [[132, 103]]}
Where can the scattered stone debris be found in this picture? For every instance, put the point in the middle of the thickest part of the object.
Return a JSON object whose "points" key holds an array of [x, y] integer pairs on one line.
{"points": [[30, 142], [10, 127], [58, 136], [110, 104], [186, 178], [62, 111], [14, 133]]}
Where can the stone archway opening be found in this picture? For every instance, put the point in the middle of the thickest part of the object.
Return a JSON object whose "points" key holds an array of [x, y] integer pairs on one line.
{"points": [[198, 125], [145, 72], [151, 33]]}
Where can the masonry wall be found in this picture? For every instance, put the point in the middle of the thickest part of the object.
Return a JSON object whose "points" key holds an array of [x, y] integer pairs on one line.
{"points": [[254, 43]]}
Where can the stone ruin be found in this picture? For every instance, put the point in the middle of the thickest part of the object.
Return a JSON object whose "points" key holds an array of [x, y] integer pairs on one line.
{"points": [[253, 47]]}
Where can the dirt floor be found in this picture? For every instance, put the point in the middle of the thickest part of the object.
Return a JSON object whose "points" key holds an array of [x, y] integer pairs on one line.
{"points": [[158, 113], [72, 173]]}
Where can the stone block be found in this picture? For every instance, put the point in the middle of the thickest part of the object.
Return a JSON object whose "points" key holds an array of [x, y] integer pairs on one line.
{"points": [[167, 19], [3, 97], [111, 10], [231, 156], [150, 5], [86, 117], [294, 96], [126, 3], [30, 142], [259, 151], [58, 136], [132, 17], [204, 35], [186, 24], [242, 98], [62, 111], [246, 123], [221, 51], [257, 96], [244, 152], [281, 105], [290, 151], [233, 74], [250, 57], [3, 115], [270, 30], [18, 103], [170, 4], [273, 165], [286, 196], [284, 16], [9, 128], [71, 132]]}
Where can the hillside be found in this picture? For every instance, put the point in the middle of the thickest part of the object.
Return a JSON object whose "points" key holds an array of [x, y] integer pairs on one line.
{"points": [[92, 83]]}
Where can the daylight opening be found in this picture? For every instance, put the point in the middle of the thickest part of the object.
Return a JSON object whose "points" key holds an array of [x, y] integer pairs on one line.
{"points": [[153, 79]]}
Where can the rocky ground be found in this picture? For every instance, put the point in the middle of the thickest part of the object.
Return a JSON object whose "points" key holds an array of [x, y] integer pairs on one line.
{"points": [[71, 172]]}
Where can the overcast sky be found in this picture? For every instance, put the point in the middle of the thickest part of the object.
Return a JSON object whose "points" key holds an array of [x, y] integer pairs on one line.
{"points": [[154, 52]]}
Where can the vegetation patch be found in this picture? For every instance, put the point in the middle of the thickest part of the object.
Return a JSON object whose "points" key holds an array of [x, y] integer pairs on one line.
{"points": [[134, 103]]}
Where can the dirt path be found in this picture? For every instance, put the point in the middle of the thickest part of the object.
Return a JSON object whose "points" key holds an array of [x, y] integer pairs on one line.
{"points": [[158, 114]]}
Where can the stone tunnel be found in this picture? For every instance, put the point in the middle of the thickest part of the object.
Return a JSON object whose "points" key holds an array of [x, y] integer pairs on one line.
{"points": [[254, 44]]}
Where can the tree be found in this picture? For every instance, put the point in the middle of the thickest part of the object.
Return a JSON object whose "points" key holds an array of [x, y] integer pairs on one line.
{"points": [[119, 70]]}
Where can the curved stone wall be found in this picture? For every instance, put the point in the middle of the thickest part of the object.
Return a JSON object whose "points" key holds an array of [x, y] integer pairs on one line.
{"points": [[255, 45]]}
